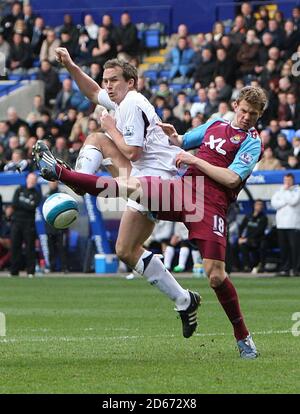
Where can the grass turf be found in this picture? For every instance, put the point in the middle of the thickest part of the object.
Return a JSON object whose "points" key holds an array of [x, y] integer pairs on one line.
{"points": [[89, 335]]}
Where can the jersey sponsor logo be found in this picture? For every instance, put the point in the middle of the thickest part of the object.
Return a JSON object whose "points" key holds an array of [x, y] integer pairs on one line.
{"points": [[246, 158], [236, 139], [129, 131], [216, 143]]}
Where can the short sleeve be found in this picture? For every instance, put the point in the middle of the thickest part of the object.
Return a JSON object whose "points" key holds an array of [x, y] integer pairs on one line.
{"points": [[133, 125], [246, 157]]}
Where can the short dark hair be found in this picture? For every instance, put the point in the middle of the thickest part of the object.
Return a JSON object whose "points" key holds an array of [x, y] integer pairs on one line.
{"points": [[291, 176]]}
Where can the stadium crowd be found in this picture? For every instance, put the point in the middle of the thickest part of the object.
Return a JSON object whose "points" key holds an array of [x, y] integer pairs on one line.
{"points": [[199, 79]]}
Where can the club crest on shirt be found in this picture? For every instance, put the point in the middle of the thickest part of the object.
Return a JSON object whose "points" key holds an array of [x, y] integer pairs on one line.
{"points": [[129, 131], [236, 139], [246, 158]]}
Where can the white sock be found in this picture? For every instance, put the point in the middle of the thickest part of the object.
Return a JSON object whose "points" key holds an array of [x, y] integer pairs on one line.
{"points": [[168, 256], [89, 160], [196, 256], [157, 275], [183, 256]]}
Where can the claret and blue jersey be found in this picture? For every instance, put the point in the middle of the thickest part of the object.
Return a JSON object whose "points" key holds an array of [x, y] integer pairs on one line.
{"points": [[224, 145]]}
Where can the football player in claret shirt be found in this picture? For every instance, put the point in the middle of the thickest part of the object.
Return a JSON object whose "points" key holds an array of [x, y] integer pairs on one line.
{"points": [[227, 153]]}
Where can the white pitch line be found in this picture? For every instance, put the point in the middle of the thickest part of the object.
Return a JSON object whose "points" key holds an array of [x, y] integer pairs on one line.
{"points": [[93, 338]]}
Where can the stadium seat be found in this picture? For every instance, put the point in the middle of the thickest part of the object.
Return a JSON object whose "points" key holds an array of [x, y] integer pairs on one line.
{"points": [[289, 133], [164, 74], [151, 74], [152, 39]]}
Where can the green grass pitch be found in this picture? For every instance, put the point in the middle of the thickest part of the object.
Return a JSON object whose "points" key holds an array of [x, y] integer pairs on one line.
{"points": [[110, 335]]}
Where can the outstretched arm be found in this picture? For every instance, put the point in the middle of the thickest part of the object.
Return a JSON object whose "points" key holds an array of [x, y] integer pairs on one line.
{"points": [[86, 84], [170, 130]]}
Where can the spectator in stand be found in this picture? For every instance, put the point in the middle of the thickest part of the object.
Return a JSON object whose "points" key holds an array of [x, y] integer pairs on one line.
{"points": [[237, 33], [274, 54], [18, 162], [38, 36], [49, 77], [182, 106], [247, 55], [68, 121], [29, 19], [23, 134], [265, 138], [239, 84], [127, 36], [274, 129], [104, 48], [285, 85], [282, 108], [84, 48], [268, 162], [247, 13], [187, 121], [70, 27], [212, 103], [218, 32], [223, 112], [260, 28], [96, 73], [296, 146], [205, 67], [200, 104], [263, 52], [169, 118], [107, 21], [181, 59], [13, 143], [48, 47], [251, 234], [61, 149], [268, 73], [290, 40], [296, 17], [8, 21], [20, 54], [231, 49], [223, 89], [68, 42], [293, 163], [165, 93], [277, 33], [36, 111], [293, 112], [143, 88], [3, 159], [286, 202], [5, 133], [90, 26], [283, 149], [14, 121], [182, 31], [63, 98], [224, 67]]}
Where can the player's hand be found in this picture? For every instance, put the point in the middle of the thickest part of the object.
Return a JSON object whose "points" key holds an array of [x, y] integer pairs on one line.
{"points": [[62, 56], [184, 158], [107, 121], [168, 129]]}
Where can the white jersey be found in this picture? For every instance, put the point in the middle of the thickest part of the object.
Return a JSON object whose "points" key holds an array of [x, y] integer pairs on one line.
{"points": [[136, 120]]}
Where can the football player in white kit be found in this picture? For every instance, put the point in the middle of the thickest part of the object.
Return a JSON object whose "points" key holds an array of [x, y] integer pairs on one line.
{"points": [[137, 146]]}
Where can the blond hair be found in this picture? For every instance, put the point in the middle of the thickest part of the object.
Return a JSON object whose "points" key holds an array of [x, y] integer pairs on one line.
{"points": [[254, 96]]}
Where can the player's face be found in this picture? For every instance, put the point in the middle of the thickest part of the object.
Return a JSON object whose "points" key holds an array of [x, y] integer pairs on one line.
{"points": [[246, 115], [115, 84]]}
